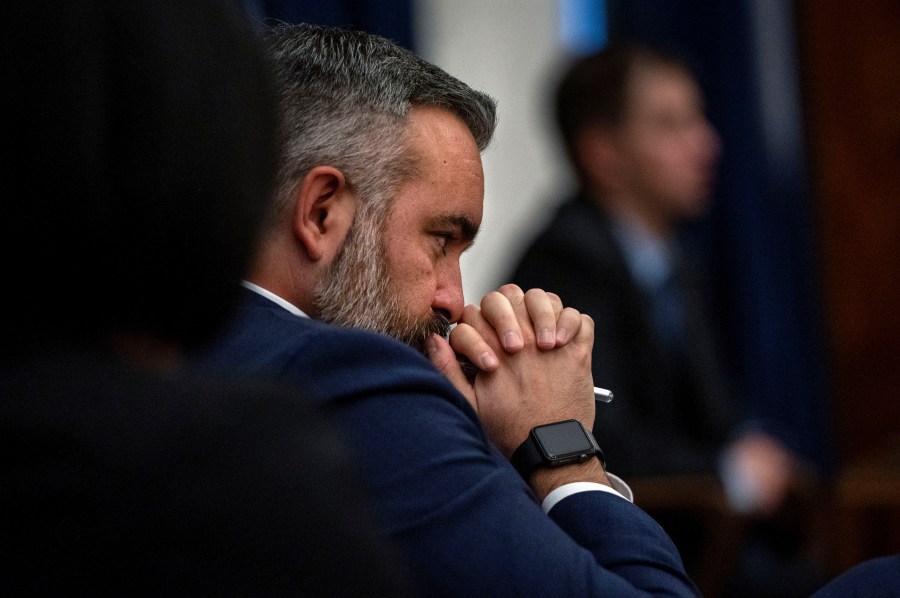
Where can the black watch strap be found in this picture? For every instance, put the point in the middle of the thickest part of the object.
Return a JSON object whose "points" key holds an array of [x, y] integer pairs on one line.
{"points": [[531, 454], [527, 457]]}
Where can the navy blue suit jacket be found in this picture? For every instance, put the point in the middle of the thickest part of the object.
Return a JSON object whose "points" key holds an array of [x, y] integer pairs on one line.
{"points": [[464, 520]]}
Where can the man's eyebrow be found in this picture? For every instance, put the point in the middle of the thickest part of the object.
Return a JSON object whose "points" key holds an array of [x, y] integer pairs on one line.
{"points": [[468, 230]]}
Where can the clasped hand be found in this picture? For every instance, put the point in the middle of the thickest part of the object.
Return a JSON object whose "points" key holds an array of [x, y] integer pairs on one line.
{"points": [[534, 358]]}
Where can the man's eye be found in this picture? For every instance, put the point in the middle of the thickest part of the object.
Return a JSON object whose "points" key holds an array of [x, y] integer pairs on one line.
{"points": [[443, 239]]}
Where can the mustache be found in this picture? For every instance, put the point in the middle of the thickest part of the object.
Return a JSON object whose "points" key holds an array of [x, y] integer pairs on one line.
{"points": [[441, 322], [437, 323]]}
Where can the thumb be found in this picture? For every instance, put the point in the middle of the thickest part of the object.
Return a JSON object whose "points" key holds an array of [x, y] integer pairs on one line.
{"points": [[444, 359]]}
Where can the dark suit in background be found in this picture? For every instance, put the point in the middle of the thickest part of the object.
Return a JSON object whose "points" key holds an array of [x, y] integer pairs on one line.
{"points": [[671, 413], [634, 126]]}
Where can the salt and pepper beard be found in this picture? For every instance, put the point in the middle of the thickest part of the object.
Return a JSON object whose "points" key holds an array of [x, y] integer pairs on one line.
{"points": [[356, 290]]}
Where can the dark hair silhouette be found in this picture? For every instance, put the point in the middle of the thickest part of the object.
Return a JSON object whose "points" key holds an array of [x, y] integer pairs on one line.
{"points": [[142, 136]]}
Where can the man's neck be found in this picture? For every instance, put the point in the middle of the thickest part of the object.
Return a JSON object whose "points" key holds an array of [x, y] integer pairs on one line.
{"points": [[631, 210], [281, 269], [638, 217], [278, 275]]}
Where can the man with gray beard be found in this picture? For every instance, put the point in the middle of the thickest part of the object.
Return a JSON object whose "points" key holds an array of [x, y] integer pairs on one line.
{"points": [[490, 487]]}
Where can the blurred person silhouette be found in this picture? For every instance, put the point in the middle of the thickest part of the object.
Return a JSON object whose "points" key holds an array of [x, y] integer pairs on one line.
{"points": [[141, 144], [380, 191], [633, 124]]}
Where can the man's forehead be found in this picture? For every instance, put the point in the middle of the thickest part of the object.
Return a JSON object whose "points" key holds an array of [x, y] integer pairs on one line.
{"points": [[432, 131], [447, 182]]}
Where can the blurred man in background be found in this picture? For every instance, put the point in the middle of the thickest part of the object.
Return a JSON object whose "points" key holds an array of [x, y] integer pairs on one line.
{"points": [[633, 124]]}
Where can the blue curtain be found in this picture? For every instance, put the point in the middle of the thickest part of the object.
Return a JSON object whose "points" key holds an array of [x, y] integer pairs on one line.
{"points": [[758, 242], [390, 18]]}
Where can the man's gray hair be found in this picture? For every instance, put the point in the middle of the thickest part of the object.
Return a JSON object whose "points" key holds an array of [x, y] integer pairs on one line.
{"points": [[345, 96]]}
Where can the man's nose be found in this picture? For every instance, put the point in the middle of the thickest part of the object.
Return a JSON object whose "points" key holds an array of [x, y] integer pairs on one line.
{"points": [[448, 296]]}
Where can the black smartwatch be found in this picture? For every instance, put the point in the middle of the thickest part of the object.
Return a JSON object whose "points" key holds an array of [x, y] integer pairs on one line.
{"points": [[552, 445]]}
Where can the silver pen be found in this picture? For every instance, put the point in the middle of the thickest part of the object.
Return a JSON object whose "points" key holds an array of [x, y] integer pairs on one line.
{"points": [[603, 395]]}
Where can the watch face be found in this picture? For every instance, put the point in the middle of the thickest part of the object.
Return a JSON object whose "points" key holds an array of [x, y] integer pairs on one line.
{"points": [[563, 439]]}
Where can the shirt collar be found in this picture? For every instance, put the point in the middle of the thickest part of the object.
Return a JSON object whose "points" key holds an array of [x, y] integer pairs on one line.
{"points": [[274, 298], [648, 258]]}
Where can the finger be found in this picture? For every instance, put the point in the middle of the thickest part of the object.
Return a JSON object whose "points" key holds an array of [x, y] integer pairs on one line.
{"points": [[514, 294], [444, 359], [567, 325], [556, 301], [465, 340], [473, 317], [585, 334], [516, 297], [543, 318], [499, 312]]}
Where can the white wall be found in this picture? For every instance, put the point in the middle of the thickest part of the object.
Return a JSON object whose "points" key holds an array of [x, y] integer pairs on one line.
{"points": [[511, 50]]}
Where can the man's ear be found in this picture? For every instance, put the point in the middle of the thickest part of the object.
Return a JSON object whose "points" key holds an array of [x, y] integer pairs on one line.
{"points": [[324, 212]]}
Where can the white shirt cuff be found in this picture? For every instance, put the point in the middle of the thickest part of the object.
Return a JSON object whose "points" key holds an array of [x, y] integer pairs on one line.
{"points": [[619, 488]]}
